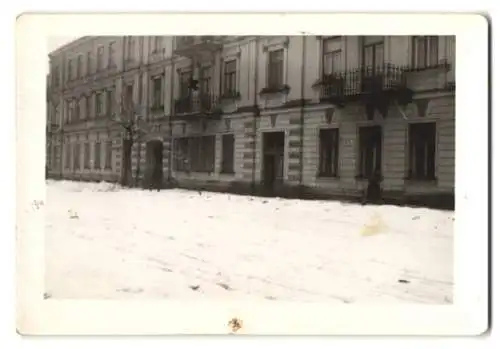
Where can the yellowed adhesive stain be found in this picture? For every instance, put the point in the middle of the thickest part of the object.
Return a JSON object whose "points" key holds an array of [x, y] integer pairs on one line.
{"points": [[375, 226]]}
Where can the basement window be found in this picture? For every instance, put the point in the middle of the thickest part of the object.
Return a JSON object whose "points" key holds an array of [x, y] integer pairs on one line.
{"points": [[422, 153], [370, 151]]}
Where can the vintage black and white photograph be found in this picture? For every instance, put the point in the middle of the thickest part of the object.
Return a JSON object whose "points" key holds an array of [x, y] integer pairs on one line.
{"points": [[274, 167], [305, 168]]}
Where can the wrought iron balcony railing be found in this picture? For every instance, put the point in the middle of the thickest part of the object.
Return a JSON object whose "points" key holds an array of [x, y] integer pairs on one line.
{"points": [[364, 80], [196, 104]]}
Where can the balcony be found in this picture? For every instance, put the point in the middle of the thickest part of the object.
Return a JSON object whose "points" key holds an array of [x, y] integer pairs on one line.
{"points": [[189, 46], [194, 106], [375, 87], [333, 89]]}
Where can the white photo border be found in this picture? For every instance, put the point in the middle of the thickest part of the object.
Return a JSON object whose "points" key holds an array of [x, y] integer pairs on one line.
{"points": [[468, 315]]}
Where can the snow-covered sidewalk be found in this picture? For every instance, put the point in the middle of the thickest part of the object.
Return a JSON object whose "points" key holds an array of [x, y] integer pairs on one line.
{"points": [[106, 242]]}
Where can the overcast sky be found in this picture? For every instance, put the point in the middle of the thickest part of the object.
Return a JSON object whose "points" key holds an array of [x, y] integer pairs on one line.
{"points": [[55, 42]]}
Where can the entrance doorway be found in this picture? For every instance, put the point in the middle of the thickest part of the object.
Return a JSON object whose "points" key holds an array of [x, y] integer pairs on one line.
{"points": [[273, 159], [154, 164]]}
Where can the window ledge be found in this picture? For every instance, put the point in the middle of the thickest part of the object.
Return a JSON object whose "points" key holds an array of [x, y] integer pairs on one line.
{"points": [[233, 96], [430, 68], [327, 176], [421, 181], [275, 89], [362, 178]]}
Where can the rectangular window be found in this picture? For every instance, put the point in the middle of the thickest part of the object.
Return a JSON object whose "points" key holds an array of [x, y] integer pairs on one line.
{"points": [[70, 69], [202, 153], [328, 152], [181, 155], [87, 106], [157, 91], [76, 157], [229, 83], [110, 103], [100, 58], [373, 53], [76, 106], [67, 155], [185, 78], [97, 155], [82, 107], [111, 54], [109, 153], [425, 51], [227, 153], [79, 67], [422, 154], [275, 69], [332, 55], [205, 80], [370, 151], [99, 104], [156, 44], [130, 48], [55, 77], [55, 153], [195, 154], [86, 156], [89, 63]]}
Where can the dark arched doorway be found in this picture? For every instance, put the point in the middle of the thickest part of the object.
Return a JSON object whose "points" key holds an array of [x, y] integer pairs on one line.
{"points": [[154, 164]]}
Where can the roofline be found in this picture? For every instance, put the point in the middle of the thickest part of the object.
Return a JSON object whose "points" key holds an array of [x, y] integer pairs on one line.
{"points": [[70, 44]]}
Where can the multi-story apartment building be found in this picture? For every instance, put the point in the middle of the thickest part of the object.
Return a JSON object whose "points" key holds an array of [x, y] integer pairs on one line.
{"points": [[309, 115]]}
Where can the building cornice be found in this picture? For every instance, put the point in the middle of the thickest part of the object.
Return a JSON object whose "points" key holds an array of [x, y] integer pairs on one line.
{"points": [[70, 45]]}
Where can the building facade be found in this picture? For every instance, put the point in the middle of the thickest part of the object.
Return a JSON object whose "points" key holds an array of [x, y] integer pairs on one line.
{"points": [[293, 115]]}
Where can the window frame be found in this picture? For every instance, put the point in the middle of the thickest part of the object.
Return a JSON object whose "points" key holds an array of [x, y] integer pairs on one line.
{"points": [[231, 76], [100, 58], [76, 156], [431, 54], [332, 53], [86, 155], [431, 161], [157, 100], [272, 68], [108, 154], [111, 54], [332, 159], [372, 45], [97, 164], [227, 156]]}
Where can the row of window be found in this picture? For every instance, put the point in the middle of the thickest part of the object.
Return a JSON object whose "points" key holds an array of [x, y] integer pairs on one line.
{"points": [[197, 154], [424, 54], [73, 152], [422, 151], [80, 109], [75, 66], [78, 71]]}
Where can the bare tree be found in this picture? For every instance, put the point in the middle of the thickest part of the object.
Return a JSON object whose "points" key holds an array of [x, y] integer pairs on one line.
{"points": [[130, 117]]}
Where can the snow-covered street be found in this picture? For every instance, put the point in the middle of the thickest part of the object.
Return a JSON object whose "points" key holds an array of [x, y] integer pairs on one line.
{"points": [[106, 242]]}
